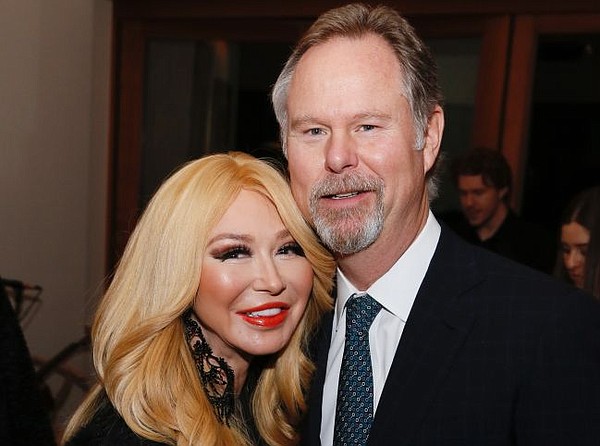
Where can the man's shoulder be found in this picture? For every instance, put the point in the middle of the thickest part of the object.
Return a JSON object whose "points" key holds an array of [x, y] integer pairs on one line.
{"points": [[473, 280], [455, 220], [457, 258]]}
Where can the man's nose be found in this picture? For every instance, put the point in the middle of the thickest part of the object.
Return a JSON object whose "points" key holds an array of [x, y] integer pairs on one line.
{"points": [[466, 200], [340, 152]]}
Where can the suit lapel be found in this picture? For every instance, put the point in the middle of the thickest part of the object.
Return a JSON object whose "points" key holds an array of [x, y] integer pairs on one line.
{"points": [[435, 331]]}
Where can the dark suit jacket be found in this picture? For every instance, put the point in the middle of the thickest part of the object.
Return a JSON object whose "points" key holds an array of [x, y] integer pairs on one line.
{"points": [[24, 419], [107, 428], [493, 353]]}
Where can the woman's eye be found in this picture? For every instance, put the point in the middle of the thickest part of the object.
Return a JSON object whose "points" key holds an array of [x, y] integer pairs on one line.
{"points": [[232, 253], [291, 249]]}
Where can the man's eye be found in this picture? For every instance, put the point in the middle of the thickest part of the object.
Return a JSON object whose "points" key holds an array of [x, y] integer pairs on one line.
{"points": [[232, 253], [367, 127], [315, 132], [291, 249]]}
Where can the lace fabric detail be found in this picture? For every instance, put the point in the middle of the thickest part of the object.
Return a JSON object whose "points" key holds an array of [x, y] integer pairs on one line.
{"points": [[215, 374]]}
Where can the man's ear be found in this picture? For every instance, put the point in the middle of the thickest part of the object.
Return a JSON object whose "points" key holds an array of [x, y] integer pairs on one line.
{"points": [[433, 138]]}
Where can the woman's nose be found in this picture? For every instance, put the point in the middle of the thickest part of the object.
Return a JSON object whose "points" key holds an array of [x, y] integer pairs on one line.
{"points": [[573, 259], [268, 277]]}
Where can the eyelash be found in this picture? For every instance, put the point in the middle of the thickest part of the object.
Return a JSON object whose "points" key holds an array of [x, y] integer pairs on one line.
{"points": [[241, 250], [567, 249], [294, 247], [232, 253]]}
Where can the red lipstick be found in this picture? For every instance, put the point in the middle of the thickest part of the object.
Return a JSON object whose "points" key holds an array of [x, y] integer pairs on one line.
{"points": [[268, 315]]}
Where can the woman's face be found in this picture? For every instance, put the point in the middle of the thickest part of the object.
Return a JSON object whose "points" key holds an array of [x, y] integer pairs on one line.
{"points": [[254, 284], [574, 240]]}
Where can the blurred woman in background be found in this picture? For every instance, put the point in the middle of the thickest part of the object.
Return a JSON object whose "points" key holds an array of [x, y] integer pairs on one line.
{"points": [[578, 259]]}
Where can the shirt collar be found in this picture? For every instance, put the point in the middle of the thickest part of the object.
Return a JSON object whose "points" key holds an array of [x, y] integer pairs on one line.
{"points": [[397, 289]]}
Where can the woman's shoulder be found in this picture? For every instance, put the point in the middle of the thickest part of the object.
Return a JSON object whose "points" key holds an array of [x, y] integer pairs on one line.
{"points": [[107, 428]]}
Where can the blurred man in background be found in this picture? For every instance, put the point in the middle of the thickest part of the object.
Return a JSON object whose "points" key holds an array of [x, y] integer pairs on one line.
{"points": [[483, 180]]}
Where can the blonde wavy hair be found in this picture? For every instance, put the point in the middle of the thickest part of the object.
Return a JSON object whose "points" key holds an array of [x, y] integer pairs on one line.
{"points": [[142, 359]]}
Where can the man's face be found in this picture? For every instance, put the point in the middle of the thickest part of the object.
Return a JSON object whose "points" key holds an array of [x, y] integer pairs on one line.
{"points": [[479, 202], [353, 166]]}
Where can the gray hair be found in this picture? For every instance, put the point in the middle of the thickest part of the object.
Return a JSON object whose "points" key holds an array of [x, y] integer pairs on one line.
{"points": [[420, 82]]}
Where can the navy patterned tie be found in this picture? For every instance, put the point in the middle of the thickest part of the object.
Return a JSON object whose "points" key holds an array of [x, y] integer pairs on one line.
{"points": [[354, 410]]}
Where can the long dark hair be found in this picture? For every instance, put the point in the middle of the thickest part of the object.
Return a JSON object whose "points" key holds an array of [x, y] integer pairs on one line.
{"points": [[584, 209]]}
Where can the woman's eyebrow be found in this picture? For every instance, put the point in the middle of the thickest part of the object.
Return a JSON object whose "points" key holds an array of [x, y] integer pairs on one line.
{"points": [[230, 236]]}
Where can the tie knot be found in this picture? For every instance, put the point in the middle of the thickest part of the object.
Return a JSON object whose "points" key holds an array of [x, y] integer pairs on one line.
{"points": [[361, 310]]}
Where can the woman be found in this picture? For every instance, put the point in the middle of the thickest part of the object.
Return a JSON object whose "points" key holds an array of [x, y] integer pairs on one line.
{"points": [[579, 258], [195, 341]]}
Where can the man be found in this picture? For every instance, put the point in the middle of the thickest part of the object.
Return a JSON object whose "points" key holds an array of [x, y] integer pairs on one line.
{"points": [[467, 348], [483, 179]]}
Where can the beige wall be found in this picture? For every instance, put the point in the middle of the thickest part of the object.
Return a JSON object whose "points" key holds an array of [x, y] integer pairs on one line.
{"points": [[54, 89]]}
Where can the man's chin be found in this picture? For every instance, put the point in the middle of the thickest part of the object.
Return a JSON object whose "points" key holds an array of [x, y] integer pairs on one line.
{"points": [[474, 222], [349, 236], [343, 245]]}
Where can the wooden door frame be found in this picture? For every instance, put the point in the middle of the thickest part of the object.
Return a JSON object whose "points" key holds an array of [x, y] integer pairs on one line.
{"points": [[494, 30], [509, 30], [521, 72], [132, 35], [131, 39]]}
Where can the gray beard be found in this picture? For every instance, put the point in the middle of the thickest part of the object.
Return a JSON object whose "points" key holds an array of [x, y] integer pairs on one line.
{"points": [[351, 230]]}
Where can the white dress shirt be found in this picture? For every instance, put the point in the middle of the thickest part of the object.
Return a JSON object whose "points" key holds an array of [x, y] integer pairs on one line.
{"points": [[396, 291]]}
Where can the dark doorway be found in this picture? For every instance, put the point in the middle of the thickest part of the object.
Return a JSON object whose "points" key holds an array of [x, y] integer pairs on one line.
{"points": [[564, 139]]}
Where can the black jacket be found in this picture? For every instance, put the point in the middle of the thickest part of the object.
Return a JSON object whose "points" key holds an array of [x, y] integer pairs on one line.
{"points": [[493, 353], [107, 428], [24, 420]]}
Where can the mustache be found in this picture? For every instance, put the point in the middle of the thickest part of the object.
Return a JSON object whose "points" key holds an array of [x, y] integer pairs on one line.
{"points": [[345, 183]]}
